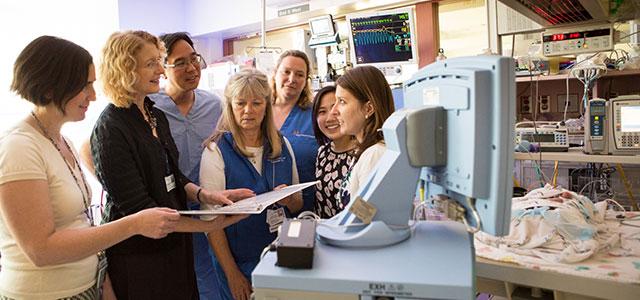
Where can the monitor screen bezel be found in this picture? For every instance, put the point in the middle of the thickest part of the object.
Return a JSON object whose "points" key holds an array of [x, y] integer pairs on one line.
{"points": [[412, 28]]}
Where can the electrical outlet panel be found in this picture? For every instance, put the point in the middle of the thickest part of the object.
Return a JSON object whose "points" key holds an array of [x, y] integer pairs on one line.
{"points": [[526, 107], [573, 103], [545, 104]]}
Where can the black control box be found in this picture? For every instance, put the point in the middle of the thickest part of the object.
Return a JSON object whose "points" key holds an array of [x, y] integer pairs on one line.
{"points": [[295, 243]]}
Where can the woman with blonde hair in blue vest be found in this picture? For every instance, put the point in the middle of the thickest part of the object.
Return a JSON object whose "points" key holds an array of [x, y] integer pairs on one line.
{"points": [[247, 151]]}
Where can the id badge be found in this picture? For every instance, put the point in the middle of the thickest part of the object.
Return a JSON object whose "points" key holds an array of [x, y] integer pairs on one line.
{"points": [[170, 182], [275, 217], [102, 270]]}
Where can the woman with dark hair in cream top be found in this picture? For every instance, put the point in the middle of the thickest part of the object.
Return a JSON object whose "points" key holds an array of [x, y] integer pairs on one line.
{"points": [[49, 246]]}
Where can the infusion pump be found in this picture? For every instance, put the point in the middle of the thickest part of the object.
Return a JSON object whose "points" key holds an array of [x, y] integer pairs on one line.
{"points": [[613, 127]]}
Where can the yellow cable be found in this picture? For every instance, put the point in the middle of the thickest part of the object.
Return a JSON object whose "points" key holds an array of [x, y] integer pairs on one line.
{"points": [[422, 184], [627, 187], [516, 183], [555, 173]]}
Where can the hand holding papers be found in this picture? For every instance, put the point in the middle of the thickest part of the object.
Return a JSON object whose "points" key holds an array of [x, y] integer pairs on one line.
{"points": [[253, 205]]}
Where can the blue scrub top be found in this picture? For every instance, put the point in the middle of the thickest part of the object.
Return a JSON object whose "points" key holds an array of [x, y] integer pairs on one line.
{"points": [[298, 129], [190, 131]]}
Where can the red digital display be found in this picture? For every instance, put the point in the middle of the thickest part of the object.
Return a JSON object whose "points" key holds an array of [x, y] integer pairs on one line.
{"points": [[566, 36], [575, 35]]}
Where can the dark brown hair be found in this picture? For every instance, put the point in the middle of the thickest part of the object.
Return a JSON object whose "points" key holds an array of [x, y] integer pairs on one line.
{"points": [[367, 83], [305, 97], [51, 69], [320, 137], [170, 39]]}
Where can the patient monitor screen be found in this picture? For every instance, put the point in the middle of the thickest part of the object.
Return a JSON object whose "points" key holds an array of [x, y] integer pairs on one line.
{"points": [[382, 38], [630, 118]]}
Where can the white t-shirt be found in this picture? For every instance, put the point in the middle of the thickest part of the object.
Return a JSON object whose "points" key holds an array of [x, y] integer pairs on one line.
{"points": [[212, 169], [363, 167], [25, 154]]}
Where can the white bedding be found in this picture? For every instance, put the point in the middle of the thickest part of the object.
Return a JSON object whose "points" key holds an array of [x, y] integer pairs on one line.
{"points": [[556, 230]]}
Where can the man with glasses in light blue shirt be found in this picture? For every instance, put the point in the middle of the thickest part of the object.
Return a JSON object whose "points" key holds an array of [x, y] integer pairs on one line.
{"points": [[193, 115]]}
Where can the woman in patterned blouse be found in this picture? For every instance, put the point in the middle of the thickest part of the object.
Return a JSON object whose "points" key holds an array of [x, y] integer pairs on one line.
{"points": [[335, 155]]}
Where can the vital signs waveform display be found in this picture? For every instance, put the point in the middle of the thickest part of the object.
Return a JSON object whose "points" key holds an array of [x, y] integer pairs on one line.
{"points": [[382, 38]]}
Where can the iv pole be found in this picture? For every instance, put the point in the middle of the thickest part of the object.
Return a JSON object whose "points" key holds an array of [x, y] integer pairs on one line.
{"points": [[263, 34]]}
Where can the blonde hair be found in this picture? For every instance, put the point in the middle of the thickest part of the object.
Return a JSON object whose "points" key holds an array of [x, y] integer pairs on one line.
{"points": [[248, 83], [306, 97], [118, 68]]}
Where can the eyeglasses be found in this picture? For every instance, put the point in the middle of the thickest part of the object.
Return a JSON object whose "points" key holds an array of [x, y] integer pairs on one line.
{"points": [[195, 60], [154, 63]]}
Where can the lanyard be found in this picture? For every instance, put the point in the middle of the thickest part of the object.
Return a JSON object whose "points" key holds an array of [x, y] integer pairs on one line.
{"points": [[84, 192]]}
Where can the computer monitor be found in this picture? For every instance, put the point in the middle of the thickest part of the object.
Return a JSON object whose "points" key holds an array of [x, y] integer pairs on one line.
{"points": [[323, 33], [383, 37], [477, 95], [322, 26], [456, 132]]}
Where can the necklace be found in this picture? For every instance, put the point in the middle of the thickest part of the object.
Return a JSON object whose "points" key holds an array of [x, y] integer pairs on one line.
{"points": [[151, 119], [84, 192]]}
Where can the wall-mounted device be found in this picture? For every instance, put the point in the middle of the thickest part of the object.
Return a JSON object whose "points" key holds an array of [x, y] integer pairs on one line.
{"points": [[385, 39], [596, 127], [549, 136], [323, 32], [573, 40], [624, 137]]}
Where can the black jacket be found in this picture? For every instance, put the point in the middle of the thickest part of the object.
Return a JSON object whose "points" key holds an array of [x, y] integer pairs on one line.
{"points": [[131, 164]]}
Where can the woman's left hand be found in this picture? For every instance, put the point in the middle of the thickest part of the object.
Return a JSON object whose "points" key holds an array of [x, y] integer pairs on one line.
{"points": [[293, 202], [226, 197]]}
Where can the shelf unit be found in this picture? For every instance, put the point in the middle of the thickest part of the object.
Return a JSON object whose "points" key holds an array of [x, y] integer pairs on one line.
{"points": [[563, 76], [552, 88], [528, 166], [576, 155]]}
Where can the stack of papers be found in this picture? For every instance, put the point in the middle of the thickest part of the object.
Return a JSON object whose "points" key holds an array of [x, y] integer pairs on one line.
{"points": [[253, 205]]}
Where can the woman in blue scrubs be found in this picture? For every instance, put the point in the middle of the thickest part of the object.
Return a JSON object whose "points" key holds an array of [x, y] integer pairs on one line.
{"points": [[292, 114], [247, 151]]}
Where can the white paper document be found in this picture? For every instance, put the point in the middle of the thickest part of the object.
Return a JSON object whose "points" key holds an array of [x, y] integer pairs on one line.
{"points": [[253, 205]]}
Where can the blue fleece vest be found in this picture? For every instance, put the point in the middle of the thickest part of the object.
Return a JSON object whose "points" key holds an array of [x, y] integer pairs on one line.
{"points": [[248, 237]]}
